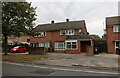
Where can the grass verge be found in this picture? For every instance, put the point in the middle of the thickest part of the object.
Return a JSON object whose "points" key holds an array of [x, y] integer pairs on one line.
{"points": [[22, 58]]}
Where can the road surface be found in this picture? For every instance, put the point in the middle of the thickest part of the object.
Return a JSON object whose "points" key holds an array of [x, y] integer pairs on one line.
{"points": [[15, 69]]}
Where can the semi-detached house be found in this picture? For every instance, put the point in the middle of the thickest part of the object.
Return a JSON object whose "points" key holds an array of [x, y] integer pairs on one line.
{"points": [[67, 37], [113, 34]]}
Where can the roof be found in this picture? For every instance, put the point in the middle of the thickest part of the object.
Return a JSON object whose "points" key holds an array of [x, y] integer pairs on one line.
{"points": [[60, 26], [110, 21], [79, 37]]}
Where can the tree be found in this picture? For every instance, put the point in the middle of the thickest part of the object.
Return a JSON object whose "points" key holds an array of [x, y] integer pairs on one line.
{"points": [[17, 18]]}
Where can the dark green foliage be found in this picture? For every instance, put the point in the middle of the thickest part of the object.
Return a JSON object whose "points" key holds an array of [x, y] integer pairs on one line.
{"points": [[17, 18]]}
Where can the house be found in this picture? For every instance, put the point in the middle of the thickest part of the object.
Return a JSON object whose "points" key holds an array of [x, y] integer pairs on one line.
{"points": [[113, 33], [67, 37], [13, 39]]}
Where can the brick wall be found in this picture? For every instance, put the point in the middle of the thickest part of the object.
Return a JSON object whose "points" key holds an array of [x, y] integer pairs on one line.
{"points": [[111, 37], [90, 50], [37, 50]]}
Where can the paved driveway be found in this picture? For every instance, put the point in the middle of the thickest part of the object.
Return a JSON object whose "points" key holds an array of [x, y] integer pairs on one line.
{"points": [[60, 59]]}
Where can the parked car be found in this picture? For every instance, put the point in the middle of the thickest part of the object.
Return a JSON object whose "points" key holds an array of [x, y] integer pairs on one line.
{"points": [[18, 49]]}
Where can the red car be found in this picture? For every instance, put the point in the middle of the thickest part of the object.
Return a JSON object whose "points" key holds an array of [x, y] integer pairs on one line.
{"points": [[18, 49]]}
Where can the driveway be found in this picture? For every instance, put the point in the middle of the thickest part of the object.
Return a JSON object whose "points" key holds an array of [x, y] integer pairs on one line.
{"points": [[100, 60]]}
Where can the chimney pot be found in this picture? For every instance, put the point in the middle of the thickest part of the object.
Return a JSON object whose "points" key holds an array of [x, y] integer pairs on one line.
{"points": [[52, 21], [67, 20]]}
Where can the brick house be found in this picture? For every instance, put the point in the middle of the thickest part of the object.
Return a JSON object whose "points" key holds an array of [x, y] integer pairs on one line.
{"points": [[67, 37], [13, 39], [113, 33]]}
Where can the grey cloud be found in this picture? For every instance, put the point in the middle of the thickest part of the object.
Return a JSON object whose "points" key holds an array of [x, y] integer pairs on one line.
{"points": [[93, 12]]}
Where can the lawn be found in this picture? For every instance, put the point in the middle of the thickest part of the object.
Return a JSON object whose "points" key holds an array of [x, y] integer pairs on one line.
{"points": [[22, 58]]}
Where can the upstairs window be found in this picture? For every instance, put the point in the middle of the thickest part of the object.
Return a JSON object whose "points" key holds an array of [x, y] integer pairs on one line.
{"points": [[80, 30], [116, 28], [40, 34], [67, 32]]}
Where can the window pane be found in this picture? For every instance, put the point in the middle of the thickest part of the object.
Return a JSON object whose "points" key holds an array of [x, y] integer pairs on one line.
{"points": [[74, 47], [59, 45], [68, 43], [117, 43], [73, 43], [68, 46], [116, 28], [62, 32], [46, 45], [42, 45], [119, 28]]}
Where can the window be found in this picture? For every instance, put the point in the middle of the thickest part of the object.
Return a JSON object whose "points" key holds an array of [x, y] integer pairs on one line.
{"points": [[62, 32], [67, 32], [117, 44], [41, 45], [71, 45], [80, 30], [116, 28], [34, 44], [59, 45], [40, 34], [44, 44]]}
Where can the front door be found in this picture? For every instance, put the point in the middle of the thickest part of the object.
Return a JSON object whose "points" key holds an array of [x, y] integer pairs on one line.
{"points": [[117, 46]]}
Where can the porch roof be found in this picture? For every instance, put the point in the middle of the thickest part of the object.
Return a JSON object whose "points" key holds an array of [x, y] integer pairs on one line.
{"points": [[81, 37]]}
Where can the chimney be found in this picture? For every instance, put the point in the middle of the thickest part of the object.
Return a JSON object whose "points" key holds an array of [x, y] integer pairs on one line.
{"points": [[67, 20], [52, 21]]}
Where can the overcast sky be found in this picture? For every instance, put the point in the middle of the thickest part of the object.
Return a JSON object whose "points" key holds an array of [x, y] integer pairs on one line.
{"points": [[94, 13]]}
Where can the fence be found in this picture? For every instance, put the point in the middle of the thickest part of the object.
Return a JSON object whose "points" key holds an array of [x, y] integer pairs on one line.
{"points": [[37, 50]]}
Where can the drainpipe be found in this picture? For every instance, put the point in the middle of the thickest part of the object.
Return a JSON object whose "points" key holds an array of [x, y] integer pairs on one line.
{"points": [[91, 42]]}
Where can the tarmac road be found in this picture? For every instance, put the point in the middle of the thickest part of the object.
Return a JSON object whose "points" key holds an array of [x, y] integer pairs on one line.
{"points": [[15, 69]]}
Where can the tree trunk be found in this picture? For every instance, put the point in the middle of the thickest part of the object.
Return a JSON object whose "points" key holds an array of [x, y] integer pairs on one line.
{"points": [[5, 44]]}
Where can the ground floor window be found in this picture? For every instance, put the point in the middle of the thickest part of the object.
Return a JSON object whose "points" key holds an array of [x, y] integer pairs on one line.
{"points": [[71, 45], [44, 44], [66, 45], [33, 44], [117, 44], [59, 45]]}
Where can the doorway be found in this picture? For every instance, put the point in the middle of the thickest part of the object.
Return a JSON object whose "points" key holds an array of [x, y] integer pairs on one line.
{"points": [[84, 45]]}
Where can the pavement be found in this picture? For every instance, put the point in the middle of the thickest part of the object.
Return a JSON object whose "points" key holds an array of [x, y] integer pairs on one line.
{"points": [[100, 61]]}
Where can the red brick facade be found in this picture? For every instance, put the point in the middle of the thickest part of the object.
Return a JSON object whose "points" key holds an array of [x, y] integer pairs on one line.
{"points": [[111, 35], [54, 36]]}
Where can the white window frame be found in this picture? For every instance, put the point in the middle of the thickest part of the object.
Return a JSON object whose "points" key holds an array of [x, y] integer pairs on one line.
{"points": [[116, 28], [34, 44], [61, 32], [115, 43], [57, 47], [67, 32], [42, 44], [40, 34], [80, 30], [71, 41]]}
